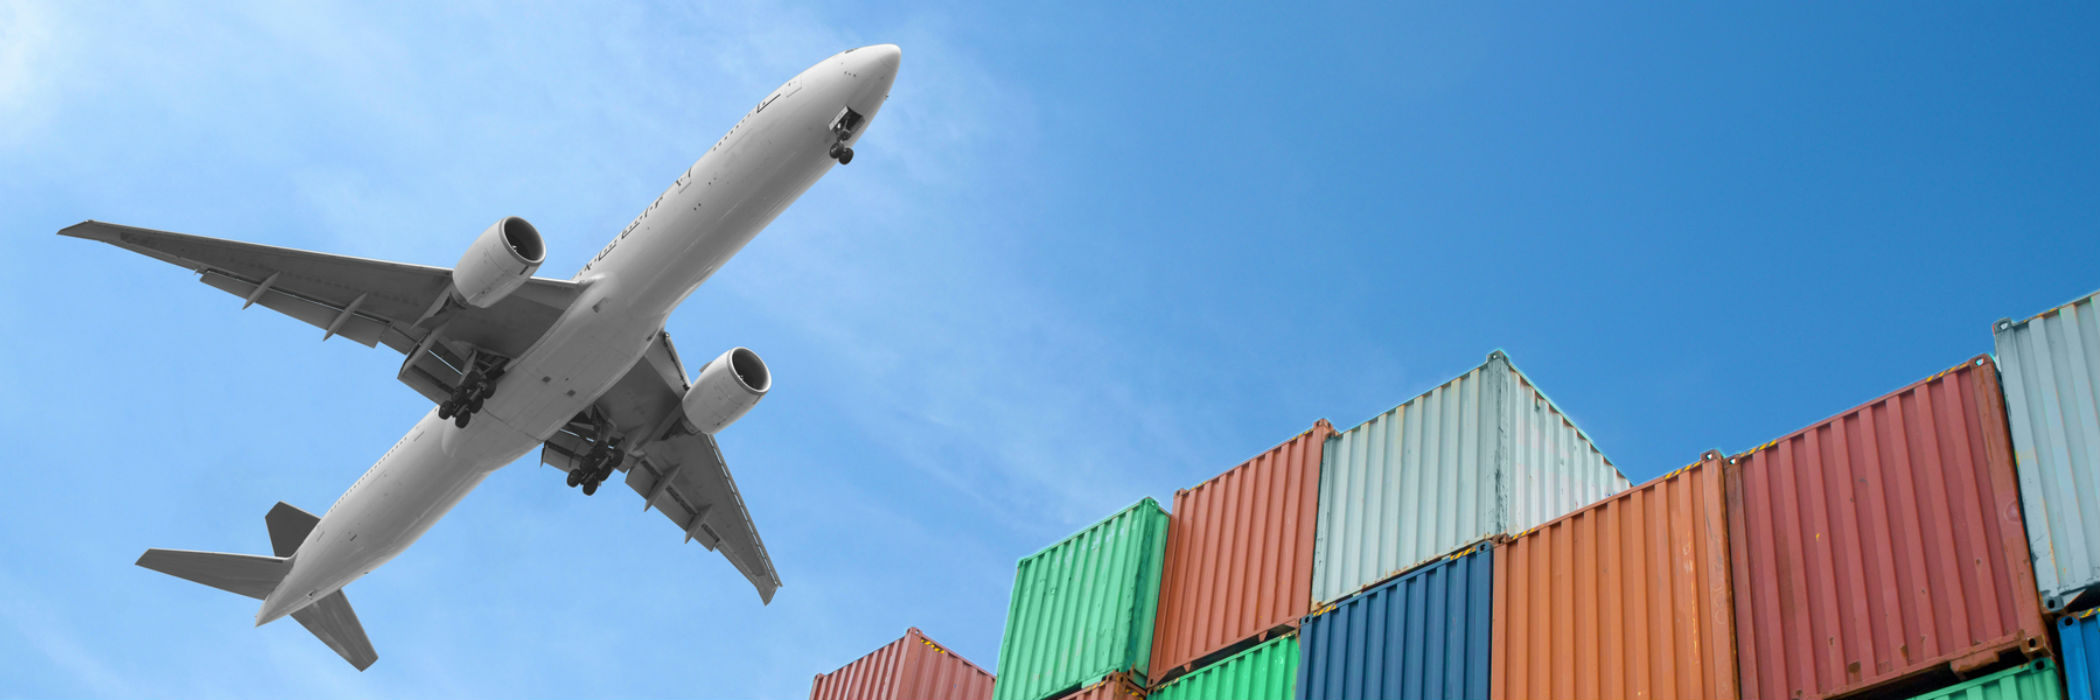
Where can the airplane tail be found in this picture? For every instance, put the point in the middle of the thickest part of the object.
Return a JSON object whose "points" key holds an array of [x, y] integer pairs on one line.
{"points": [[255, 576]]}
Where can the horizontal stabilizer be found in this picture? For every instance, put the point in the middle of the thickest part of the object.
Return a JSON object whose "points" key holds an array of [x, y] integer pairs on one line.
{"points": [[332, 620], [288, 528], [250, 575]]}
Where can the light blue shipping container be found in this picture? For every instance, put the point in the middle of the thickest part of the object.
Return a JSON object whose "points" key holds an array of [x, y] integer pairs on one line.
{"points": [[2050, 368], [1485, 454], [1421, 636]]}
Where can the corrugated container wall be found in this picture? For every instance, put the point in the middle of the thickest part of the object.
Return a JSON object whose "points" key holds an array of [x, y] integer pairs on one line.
{"points": [[1420, 636], [1117, 686], [911, 668], [1883, 542], [1485, 454], [1627, 598], [1239, 555], [1083, 608], [2052, 396], [1266, 671], [2034, 680], [2080, 636]]}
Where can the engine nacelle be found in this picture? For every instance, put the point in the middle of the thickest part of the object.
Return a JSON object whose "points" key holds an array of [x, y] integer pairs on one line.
{"points": [[726, 389], [498, 262]]}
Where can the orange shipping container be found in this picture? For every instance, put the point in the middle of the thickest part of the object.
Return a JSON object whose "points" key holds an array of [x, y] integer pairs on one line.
{"points": [[911, 668], [1239, 555], [1626, 598], [1883, 543], [1116, 686]]}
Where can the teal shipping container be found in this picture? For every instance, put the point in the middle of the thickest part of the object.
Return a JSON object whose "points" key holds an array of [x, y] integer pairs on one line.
{"points": [[1083, 608], [1484, 454], [2051, 376], [2034, 680], [1266, 671]]}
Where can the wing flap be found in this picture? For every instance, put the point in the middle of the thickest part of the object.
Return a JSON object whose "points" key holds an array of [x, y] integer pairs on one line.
{"points": [[344, 320], [684, 477]]}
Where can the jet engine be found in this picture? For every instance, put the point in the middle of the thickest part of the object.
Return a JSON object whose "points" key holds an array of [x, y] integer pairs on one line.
{"points": [[498, 262], [726, 389]]}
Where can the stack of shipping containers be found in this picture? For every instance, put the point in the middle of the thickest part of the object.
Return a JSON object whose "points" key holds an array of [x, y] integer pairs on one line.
{"points": [[1935, 543], [1418, 492]]}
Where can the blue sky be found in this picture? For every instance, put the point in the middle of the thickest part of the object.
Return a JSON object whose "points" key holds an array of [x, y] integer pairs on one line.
{"points": [[1088, 253]]}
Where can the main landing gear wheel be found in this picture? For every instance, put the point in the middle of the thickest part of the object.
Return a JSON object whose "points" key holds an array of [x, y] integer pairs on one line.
{"points": [[575, 477], [446, 409], [461, 419], [590, 487], [842, 153]]}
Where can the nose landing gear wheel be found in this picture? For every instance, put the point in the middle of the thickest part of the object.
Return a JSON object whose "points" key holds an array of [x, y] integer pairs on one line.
{"points": [[842, 153]]}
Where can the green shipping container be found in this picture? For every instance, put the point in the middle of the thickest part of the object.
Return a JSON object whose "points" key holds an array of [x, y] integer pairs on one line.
{"points": [[1083, 608], [2034, 681], [1268, 671]]}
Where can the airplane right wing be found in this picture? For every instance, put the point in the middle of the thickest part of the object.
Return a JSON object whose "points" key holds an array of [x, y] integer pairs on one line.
{"points": [[407, 307], [677, 470]]}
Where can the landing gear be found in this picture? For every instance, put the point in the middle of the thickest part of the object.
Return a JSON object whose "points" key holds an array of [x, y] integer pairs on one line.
{"points": [[843, 127], [597, 465], [474, 388]]}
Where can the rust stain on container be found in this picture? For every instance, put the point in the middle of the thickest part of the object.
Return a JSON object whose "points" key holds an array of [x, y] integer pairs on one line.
{"points": [[1626, 598], [1116, 686], [911, 668], [1883, 542], [1239, 555]]}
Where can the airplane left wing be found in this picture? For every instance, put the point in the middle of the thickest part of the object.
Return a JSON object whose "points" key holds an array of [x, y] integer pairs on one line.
{"points": [[407, 307], [677, 470]]}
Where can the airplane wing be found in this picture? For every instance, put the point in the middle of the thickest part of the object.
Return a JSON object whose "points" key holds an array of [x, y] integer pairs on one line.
{"points": [[677, 470], [407, 307]]}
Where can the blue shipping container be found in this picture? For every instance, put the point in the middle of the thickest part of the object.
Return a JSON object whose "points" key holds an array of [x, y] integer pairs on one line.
{"points": [[1424, 634], [2080, 634]]}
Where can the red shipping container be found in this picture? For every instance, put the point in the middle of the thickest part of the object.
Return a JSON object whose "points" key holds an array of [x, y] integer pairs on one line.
{"points": [[1239, 556], [911, 668], [1883, 543]]}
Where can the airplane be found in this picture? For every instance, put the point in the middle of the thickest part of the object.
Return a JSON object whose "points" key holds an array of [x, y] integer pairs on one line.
{"points": [[580, 368]]}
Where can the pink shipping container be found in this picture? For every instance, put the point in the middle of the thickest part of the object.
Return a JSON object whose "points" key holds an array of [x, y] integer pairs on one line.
{"points": [[911, 668], [1239, 556], [1883, 544]]}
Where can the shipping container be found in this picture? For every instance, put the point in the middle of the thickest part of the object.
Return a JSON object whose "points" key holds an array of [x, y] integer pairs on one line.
{"points": [[2051, 366], [1881, 543], [1239, 556], [1420, 636], [2034, 680], [1116, 686], [1627, 598], [911, 668], [2080, 636], [1266, 671], [1082, 608], [1485, 454]]}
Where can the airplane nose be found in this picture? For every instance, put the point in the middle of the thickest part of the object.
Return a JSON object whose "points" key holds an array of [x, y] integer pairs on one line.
{"points": [[879, 60]]}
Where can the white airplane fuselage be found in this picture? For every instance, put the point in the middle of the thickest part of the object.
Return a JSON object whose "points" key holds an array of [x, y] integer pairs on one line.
{"points": [[628, 291]]}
